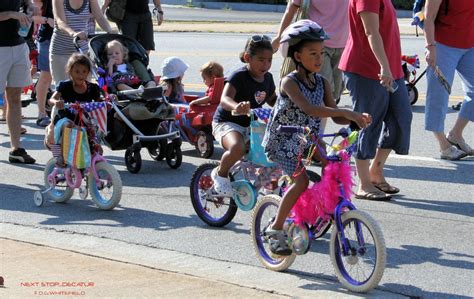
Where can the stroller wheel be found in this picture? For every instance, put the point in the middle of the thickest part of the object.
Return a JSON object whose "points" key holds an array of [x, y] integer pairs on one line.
{"points": [[174, 157], [204, 144], [412, 93], [133, 160], [157, 150]]}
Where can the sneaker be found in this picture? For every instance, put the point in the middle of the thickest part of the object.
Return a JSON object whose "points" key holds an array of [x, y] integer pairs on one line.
{"points": [[460, 144], [20, 156], [452, 153], [221, 185], [43, 121]]}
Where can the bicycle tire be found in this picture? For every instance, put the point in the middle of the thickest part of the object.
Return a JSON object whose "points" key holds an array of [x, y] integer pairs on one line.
{"points": [[338, 261], [269, 260], [202, 178]]}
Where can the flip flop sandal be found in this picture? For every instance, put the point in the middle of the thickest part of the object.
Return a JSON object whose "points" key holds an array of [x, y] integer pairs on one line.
{"points": [[277, 240], [386, 187], [375, 196]]}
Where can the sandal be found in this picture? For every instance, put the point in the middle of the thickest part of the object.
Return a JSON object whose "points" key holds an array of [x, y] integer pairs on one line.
{"points": [[23, 131], [386, 187], [278, 241], [376, 196]]}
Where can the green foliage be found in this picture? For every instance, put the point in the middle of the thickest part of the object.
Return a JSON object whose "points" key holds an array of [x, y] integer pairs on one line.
{"points": [[403, 4]]}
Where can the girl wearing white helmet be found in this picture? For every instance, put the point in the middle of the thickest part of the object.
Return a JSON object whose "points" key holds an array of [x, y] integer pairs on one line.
{"points": [[172, 73], [249, 87], [305, 97]]}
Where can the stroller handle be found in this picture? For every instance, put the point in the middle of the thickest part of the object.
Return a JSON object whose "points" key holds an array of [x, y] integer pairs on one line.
{"points": [[147, 93], [76, 39], [140, 89]]}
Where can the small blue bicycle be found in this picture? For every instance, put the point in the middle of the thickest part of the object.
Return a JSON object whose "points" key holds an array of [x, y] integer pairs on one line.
{"points": [[357, 245]]}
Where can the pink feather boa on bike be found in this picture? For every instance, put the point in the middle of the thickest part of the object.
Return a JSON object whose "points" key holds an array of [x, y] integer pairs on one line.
{"points": [[322, 198]]}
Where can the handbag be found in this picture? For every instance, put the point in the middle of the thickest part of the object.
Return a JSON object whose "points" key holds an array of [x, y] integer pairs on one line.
{"points": [[257, 152], [115, 12], [75, 146], [288, 65]]}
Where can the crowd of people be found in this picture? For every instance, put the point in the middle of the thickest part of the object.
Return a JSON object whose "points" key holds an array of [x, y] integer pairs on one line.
{"points": [[360, 44]]}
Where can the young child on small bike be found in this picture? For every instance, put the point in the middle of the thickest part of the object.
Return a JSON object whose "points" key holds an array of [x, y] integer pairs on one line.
{"points": [[172, 73], [123, 74], [247, 88], [209, 71], [76, 89], [305, 97]]}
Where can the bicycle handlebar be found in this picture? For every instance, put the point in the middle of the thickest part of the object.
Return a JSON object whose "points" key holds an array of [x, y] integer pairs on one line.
{"points": [[343, 132]]}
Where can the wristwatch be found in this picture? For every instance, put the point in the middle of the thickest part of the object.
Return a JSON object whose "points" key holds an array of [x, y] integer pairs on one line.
{"points": [[156, 10]]}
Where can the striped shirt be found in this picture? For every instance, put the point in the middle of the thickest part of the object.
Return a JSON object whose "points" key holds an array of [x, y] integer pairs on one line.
{"points": [[78, 20]]}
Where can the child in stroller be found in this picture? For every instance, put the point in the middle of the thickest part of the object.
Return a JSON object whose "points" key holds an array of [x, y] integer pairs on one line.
{"points": [[140, 118], [121, 71], [195, 121]]}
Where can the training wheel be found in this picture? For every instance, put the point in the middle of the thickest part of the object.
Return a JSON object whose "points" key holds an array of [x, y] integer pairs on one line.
{"points": [[83, 192], [38, 199]]}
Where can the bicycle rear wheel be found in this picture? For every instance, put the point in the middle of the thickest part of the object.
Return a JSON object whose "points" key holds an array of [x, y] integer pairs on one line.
{"points": [[363, 267], [262, 216]]}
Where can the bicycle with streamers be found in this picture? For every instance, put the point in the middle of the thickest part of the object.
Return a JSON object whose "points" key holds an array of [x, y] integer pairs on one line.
{"points": [[101, 179], [357, 246], [250, 177]]}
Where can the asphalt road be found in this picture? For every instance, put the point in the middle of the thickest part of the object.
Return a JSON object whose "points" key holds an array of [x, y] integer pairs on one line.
{"points": [[426, 227]]}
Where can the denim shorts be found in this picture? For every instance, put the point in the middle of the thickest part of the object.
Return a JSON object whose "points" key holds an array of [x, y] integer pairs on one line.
{"points": [[449, 61], [43, 56], [219, 130], [391, 115]]}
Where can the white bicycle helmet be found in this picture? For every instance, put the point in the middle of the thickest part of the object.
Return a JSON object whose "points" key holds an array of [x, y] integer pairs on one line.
{"points": [[298, 31], [173, 67]]}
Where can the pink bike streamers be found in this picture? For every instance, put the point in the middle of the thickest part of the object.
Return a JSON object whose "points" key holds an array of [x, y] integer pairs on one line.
{"points": [[321, 199]]}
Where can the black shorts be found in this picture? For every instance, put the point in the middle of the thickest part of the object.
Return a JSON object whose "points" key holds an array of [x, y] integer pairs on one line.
{"points": [[140, 28]]}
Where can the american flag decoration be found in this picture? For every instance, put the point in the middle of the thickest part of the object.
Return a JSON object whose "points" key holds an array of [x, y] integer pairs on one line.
{"points": [[97, 111], [262, 113]]}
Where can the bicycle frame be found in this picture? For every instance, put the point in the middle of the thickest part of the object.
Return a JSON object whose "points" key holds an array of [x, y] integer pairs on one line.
{"points": [[344, 203]]}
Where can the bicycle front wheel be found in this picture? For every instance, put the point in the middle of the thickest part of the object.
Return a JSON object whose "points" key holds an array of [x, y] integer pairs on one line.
{"points": [[262, 216], [215, 211], [362, 268], [106, 189]]}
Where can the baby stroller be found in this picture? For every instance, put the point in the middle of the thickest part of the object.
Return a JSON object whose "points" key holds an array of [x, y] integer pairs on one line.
{"points": [[195, 124], [140, 117], [409, 65]]}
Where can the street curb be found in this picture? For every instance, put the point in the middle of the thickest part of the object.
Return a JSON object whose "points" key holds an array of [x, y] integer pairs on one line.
{"points": [[182, 263], [240, 6]]}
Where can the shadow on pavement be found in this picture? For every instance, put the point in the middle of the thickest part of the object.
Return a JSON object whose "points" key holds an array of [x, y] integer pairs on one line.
{"points": [[413, 254], [461, 174], [450, 207], [415, 292]]}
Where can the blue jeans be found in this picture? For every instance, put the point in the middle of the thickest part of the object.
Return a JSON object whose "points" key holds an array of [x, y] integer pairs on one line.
{"points": [[391, 115], [449, 60]]}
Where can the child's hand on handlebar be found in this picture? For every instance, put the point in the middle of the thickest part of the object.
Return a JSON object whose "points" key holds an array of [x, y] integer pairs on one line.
{"points": [[242, 108], [59, 104]]}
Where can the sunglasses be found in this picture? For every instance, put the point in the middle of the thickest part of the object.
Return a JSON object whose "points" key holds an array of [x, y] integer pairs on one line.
{"points": [[260, 38]]}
